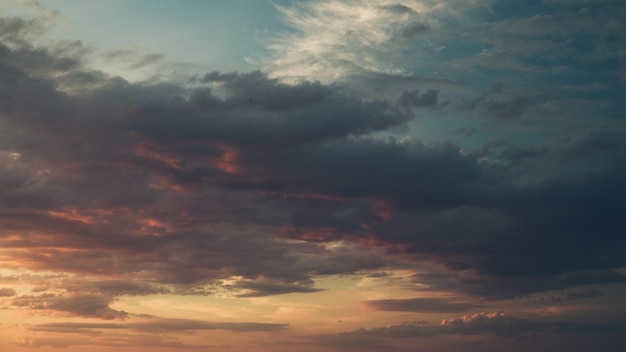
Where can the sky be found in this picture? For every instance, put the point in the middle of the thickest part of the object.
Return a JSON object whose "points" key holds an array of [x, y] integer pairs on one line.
{"points": [[313, 175]]}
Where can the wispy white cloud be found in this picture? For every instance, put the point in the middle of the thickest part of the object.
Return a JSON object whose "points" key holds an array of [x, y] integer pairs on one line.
{"points": [[333, 38]]}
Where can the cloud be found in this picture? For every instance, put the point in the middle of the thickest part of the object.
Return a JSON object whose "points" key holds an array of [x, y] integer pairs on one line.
{"points": [[507, 107], [496, 323], [414, 99], [465, 131], [85, 306], [333, 39], [499, 103], [510, 287], [152, 332], [114, 124], [414, 29], [114, 287], [398, 9], [158, 326], [423, 305], [589, 292], [49, 342], [187, 325], [379, 274], [17, 30], [7, 292], [260, 112], [118, 340], [265, 288]]}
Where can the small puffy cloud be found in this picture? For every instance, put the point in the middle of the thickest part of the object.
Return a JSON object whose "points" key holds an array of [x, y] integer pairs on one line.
{"points": [[499, 324]]}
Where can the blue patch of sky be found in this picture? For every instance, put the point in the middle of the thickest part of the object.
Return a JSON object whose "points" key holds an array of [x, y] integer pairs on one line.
{"points": [[215, 34]]}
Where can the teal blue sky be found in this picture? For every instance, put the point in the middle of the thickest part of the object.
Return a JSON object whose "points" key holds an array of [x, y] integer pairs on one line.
{"points": [[215, 34]]}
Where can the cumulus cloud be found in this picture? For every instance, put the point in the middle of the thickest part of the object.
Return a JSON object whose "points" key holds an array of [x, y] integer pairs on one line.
{"points": [[259, 112], [168, 139]]}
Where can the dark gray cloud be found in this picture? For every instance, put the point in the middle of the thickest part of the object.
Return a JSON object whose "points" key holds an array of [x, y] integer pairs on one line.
{"points": [[424, 305], [379, 274], [79, 305], [399, 9], [17, 30], [414, 29], [504, 288], [265, 288], [498, 102], [414, 99], [188, 325], [496, 323], [252, 109], [465, 131], [439, 174], [589, 292], [134, 59]]}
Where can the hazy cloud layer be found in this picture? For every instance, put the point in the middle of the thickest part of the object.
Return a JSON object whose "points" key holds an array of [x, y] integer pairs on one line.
{"points": [[159, 326]]}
